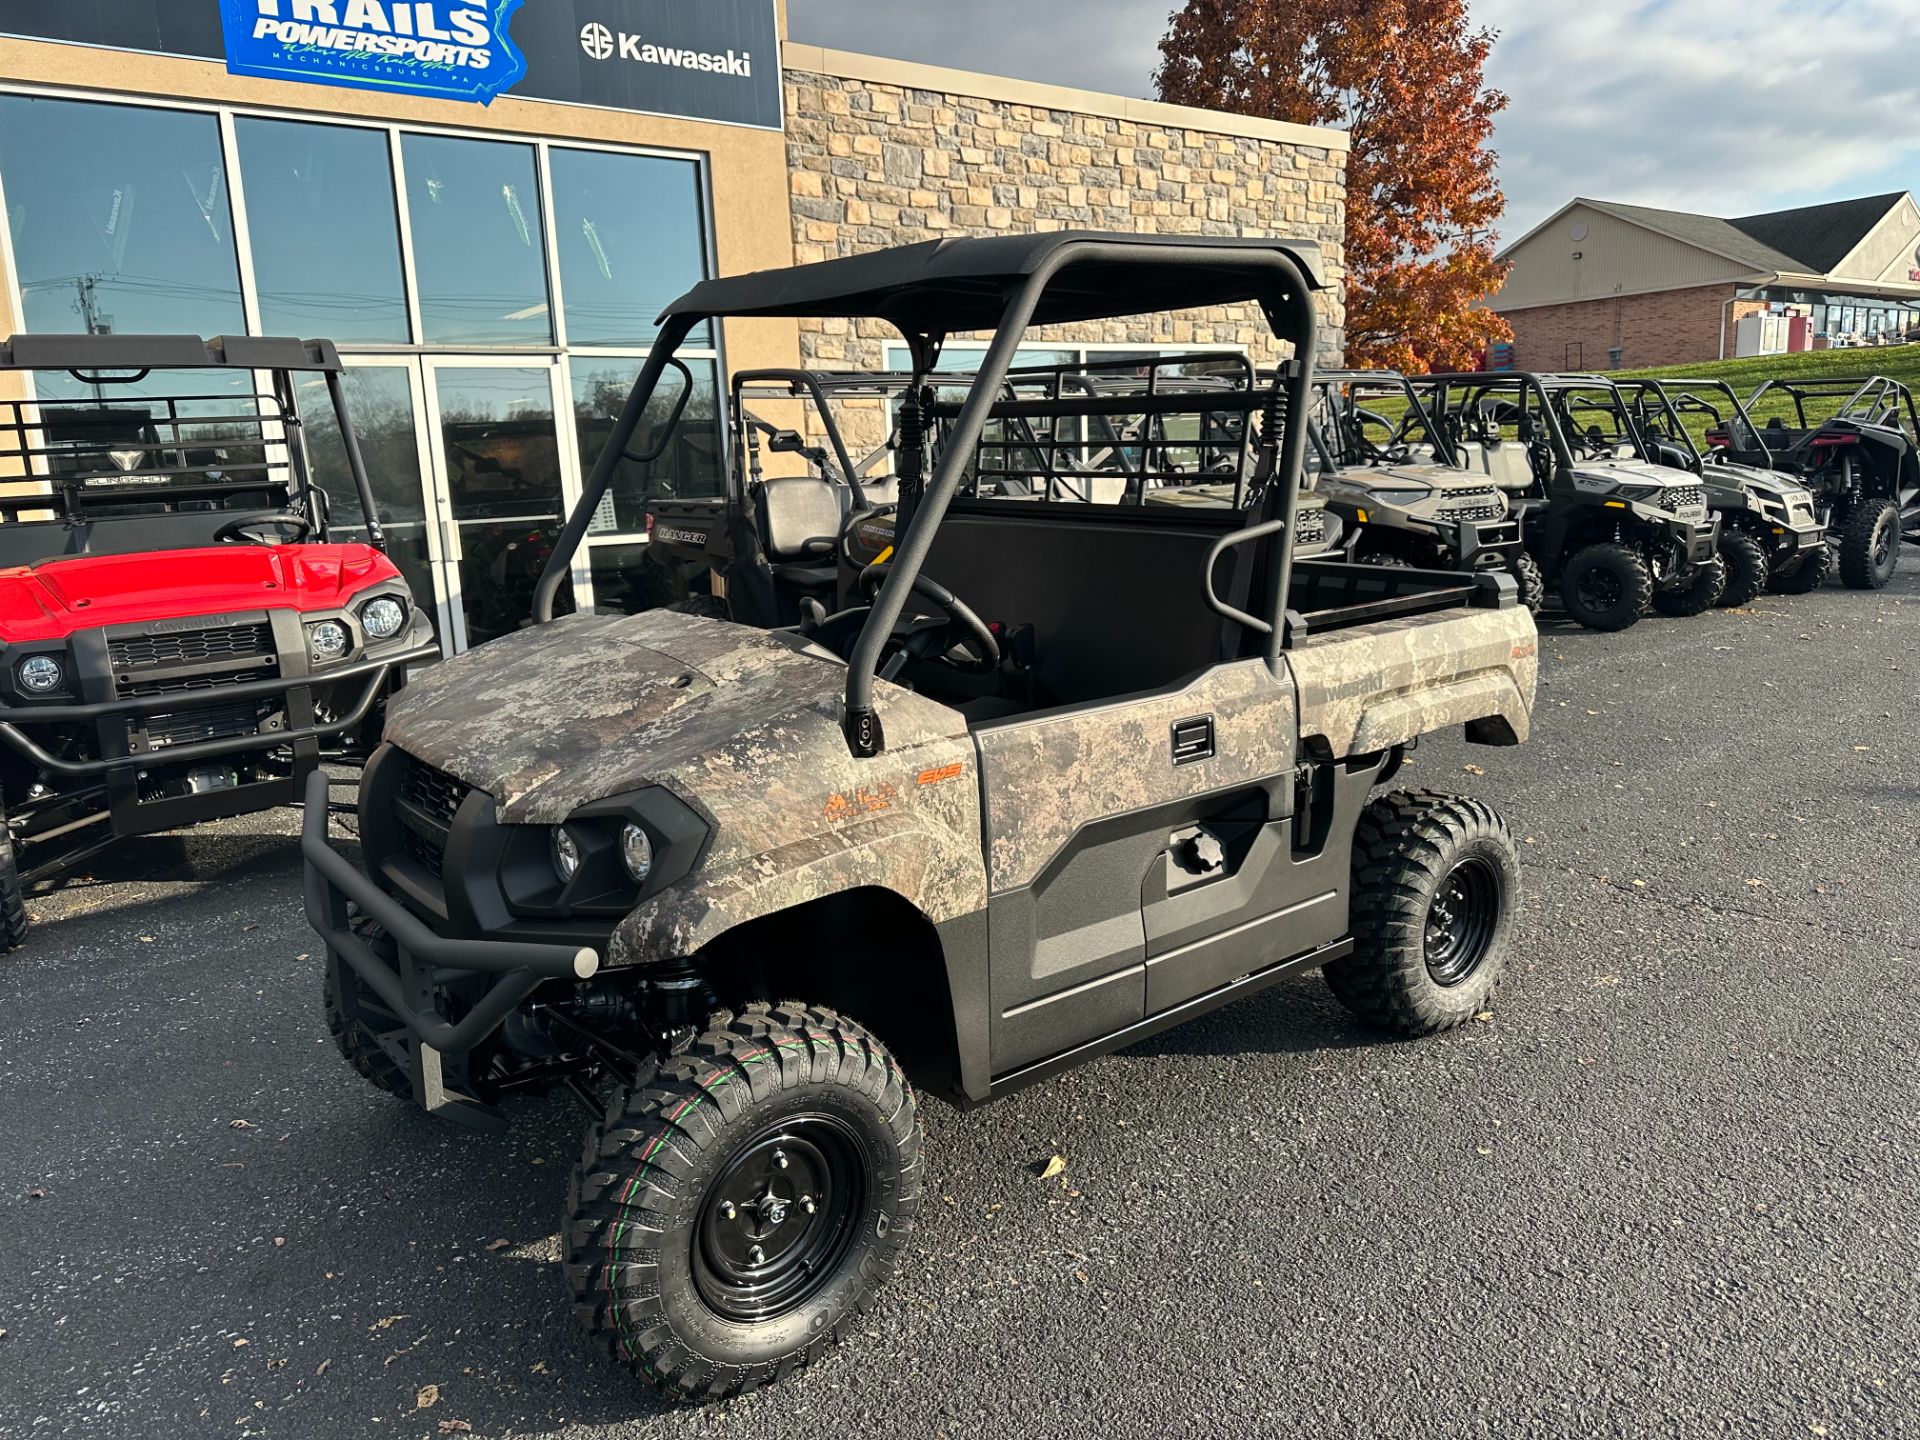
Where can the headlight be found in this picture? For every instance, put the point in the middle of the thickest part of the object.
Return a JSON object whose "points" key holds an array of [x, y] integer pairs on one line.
{"points": [[1400, 494], [41, 674], [383, 618], [566, 853], [636, 849], [328, 641]]}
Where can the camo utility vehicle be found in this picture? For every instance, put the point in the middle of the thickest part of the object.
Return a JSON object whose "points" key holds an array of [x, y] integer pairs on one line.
{"points": [[750, 893], [179, 640], [1852, 441], [1400, 489], [1770, 534], [1616, 533]]}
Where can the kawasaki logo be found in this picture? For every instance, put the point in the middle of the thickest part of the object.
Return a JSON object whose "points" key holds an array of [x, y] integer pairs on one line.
{"points": [[601, 43]]}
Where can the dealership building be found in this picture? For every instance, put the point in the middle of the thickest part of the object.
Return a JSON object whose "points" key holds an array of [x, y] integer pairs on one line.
{"points": [[1605, 286], [486, 205]]}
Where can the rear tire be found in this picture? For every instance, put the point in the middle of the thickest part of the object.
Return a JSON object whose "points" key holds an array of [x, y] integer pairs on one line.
{"points": [[1870, 545], [1533, 585], [691, 1254], [1436, 888], [1805, 577], [351, 1036], [1698, 595], [1745, 559], [1606, 587], [13, 900]]}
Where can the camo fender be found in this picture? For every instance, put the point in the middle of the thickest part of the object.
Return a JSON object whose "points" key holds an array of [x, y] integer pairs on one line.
{"points": [[1368, 689]]}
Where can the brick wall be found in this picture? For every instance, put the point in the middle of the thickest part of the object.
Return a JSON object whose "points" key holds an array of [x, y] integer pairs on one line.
{"points": [[1672, 327], [876, 165]]}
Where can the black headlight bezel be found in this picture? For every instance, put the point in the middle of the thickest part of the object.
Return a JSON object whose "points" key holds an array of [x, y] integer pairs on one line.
{"points": [[602, 886]]}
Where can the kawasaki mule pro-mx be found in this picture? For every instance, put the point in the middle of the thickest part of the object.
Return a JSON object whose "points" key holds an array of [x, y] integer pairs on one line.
{"points": [[750, 893]]}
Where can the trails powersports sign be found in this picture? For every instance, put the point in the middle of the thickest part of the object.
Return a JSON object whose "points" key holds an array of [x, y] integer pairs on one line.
{"points": [[701, 59], [456, 51]]}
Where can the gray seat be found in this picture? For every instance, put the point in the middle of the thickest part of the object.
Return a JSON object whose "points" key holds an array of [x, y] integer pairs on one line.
{"points": [[800, 518], [1505, 462]]}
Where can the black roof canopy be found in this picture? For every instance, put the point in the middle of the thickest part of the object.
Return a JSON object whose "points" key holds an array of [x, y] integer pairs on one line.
{"points": [[108, 354], [956, 286]]}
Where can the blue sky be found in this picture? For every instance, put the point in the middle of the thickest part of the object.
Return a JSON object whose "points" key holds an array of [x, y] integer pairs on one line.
{"points": [[1724, 106]]}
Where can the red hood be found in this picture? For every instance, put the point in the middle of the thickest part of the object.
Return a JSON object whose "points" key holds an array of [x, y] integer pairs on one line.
{"points": [[52, 600]]}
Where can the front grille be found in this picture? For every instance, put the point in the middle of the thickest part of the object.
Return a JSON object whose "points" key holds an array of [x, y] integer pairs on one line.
{"points": [[1463, 513], [192, 684], [1683, 498], [212, 722], [429, 799], [1311, 528], [190, 647]]}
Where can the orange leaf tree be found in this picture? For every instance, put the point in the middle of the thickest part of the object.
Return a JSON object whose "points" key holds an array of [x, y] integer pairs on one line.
{"points": [[1407, 79]]}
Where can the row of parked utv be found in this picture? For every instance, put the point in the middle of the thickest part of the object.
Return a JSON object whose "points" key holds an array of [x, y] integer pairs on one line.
{"points": [[1004, 715]]}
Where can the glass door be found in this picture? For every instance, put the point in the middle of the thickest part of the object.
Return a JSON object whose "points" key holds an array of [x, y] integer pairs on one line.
{"points": [[501, 463], [386, 403]]}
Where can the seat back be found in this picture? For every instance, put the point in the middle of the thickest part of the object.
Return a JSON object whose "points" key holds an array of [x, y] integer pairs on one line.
{"points": [[1505, 462], [798, 514]]}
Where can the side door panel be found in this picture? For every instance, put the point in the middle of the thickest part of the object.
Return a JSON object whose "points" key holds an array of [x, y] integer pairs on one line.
{"points": [[1082, 808]]}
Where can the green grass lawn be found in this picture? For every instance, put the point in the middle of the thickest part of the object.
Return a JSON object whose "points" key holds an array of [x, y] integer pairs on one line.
{"points": [[1896, 362]]}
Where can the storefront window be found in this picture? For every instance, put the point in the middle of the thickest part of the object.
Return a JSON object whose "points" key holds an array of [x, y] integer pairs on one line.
{"points": [[478, 242], [325, 231], [691, 466], [631, 242], [120, 219]]}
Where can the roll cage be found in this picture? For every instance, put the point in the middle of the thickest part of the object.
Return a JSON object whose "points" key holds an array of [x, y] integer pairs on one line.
{"points": [[1342, 411], [1004, 285], [117, 472], [1872, 400], [1715, 407]]}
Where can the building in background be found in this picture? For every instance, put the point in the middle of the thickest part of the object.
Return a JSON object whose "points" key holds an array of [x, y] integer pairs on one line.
{"points": [[487, 206], [1603, 286]]}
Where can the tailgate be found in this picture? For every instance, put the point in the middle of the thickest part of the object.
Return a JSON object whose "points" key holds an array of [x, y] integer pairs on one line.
{"points": [[1371, 687]]}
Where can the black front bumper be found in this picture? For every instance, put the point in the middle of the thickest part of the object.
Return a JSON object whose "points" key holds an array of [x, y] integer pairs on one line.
{"points": [[1478, 540], [424, 964]]}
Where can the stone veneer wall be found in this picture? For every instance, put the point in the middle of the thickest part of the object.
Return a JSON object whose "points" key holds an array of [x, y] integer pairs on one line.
{"points": [[877, 164]]}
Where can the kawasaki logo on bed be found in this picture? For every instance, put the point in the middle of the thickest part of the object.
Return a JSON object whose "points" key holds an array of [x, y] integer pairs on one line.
{"points": [[449, 49]]}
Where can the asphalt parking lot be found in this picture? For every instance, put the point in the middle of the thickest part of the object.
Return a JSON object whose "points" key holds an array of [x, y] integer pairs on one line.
{"points": [[1666, 1189]]}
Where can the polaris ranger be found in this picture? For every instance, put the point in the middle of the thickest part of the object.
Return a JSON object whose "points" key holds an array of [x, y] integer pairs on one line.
{"points": [[1114, 767], [1616, 533], [1399, 487], [180, 638], [1852, 441], [1770, 534]]}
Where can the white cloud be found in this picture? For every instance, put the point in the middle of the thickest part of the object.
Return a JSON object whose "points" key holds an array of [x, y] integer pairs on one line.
{"points": [[1722, 106]]}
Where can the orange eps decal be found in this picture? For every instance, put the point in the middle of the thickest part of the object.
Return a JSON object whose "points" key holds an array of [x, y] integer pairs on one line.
{"points": [[945, 772]]}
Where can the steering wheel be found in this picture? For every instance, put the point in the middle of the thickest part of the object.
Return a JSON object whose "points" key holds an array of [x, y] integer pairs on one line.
{"points": [[978, 650], [294, 525]]}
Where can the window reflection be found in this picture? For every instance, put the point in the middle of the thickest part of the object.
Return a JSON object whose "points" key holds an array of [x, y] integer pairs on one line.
{"points": [[689, 468], [630, 238], [478, 242], [120, 219], [325, 231]]}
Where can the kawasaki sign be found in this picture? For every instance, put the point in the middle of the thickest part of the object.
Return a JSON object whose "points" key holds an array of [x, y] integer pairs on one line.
{"points": [[702, 59]]}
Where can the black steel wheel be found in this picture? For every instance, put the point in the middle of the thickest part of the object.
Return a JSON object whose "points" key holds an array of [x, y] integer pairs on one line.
{"points": [[738, 1208], [1606, 587], [1462, 920], [1870, 545], [1436, 886], [779, 1219], [1747, 566]]}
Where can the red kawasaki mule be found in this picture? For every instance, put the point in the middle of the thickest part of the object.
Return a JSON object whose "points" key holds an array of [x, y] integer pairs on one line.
{"points": [[179, 638]]}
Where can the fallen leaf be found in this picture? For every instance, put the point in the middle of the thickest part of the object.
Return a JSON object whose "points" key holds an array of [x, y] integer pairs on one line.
{"points": [[246, 928], [539, 1367], [145, 939], [1485, 1017], [303, 957], [243, 1125], [498, 1246], [325, 1365], [1859, 750], [1756, 884], [386, 1322], [1639, 884], [36, 1193], [428, 1397], [1056, 1166], [1473, 769], [455, 1427], [279, 1242], [239, 1342]]}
